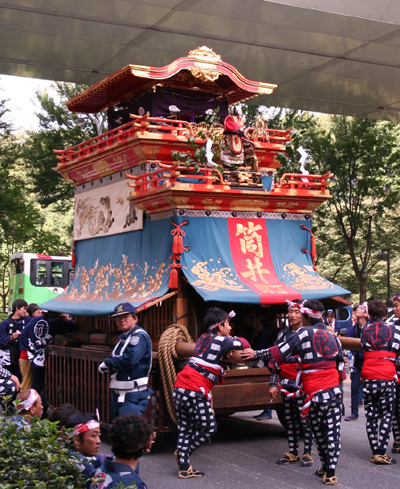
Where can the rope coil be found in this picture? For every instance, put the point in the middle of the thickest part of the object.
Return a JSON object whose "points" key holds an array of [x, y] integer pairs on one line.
{"points": [[166, 353]]}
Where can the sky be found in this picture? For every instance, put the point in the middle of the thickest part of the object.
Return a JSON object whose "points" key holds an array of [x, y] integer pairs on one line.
{"points": [[20, 92]]}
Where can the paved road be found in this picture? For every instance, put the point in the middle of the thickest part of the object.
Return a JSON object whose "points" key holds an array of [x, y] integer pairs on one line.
{"points": [[243, 455]]}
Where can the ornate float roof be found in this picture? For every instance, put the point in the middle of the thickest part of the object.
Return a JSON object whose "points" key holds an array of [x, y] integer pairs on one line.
{"points": [[202, 71]]}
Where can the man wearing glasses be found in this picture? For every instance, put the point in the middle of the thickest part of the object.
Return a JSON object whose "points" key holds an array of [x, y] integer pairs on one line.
{"points": [[129, 364]]}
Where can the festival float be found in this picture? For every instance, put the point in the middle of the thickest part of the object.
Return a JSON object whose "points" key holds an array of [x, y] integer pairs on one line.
{"points": [[175, 212]]}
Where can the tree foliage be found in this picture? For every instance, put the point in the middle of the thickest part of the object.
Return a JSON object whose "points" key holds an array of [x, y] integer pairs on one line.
{"points": [[359, 222], [36, 457], [57, 130], [298, 122], [36, 203], [364, 156], [17, 209]]}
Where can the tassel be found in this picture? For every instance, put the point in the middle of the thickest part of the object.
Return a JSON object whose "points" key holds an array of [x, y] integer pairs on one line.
{"points": [[313, 247], [173, 279], [177, 244], [177, 250]]}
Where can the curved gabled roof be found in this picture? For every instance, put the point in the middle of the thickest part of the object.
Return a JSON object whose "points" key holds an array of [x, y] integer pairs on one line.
{"points": [[202, 71]]}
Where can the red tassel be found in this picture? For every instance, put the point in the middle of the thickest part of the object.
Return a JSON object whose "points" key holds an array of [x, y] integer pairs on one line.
{"points": [[177, 250], [177, 245], [313, 249], [173, 279], [313, 246]]}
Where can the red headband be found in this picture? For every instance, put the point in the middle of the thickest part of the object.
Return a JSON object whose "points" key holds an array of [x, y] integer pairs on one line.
{"points": [[83, 427]]}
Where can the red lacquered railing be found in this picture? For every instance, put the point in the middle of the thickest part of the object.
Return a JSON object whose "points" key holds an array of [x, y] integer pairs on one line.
{"points": [[155, 179], [306, 182], [153, 125]]}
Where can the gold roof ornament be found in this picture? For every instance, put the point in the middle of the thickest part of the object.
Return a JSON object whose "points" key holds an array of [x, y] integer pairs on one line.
{"points": [[205, 66], [204, 52]]}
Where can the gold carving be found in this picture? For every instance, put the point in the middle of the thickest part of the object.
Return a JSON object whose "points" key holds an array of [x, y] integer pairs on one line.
{"points": [[245, 177], [120, 159], [211, 202], [151, 152], [182, 200], [204, 70], [287, 205], [254, 205], [101, 166], [204, 74], [196, 130], [205, 52], [68, 178]]}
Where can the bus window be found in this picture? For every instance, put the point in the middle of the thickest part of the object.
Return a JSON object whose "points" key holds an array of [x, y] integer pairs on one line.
{"points": [[17, 266], [37, 278], [70, 273], [57, 275], [39, 273]]}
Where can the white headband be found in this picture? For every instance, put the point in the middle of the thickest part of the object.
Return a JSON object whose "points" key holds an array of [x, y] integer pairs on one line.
{"points": [[311, 312], [292, 304], [25, 405], [364, 305], [232, 314]]}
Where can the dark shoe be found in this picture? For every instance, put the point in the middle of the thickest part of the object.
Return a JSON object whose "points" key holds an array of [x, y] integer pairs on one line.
{"points": [[288, 458], [321, 472], [306, 460], [352, 417], [264, 416], [190, 473]]}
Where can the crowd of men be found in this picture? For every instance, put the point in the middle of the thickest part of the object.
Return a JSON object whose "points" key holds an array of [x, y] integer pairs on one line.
{"points": [[24, 336], [308, 367], [306, 362]]}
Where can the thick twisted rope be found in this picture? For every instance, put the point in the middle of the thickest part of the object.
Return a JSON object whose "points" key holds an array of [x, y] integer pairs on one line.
{"points": [[166, 353]]}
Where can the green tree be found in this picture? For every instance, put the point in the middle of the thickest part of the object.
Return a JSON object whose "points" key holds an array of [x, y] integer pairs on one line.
{"points": [[334, 261], [36, 457], [299, 122], [58, 129], [17, 208], [36, 203], [354, 225]]}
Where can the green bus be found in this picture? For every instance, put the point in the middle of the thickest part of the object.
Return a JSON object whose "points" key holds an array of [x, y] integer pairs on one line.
{"points": [[38, 278]]}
